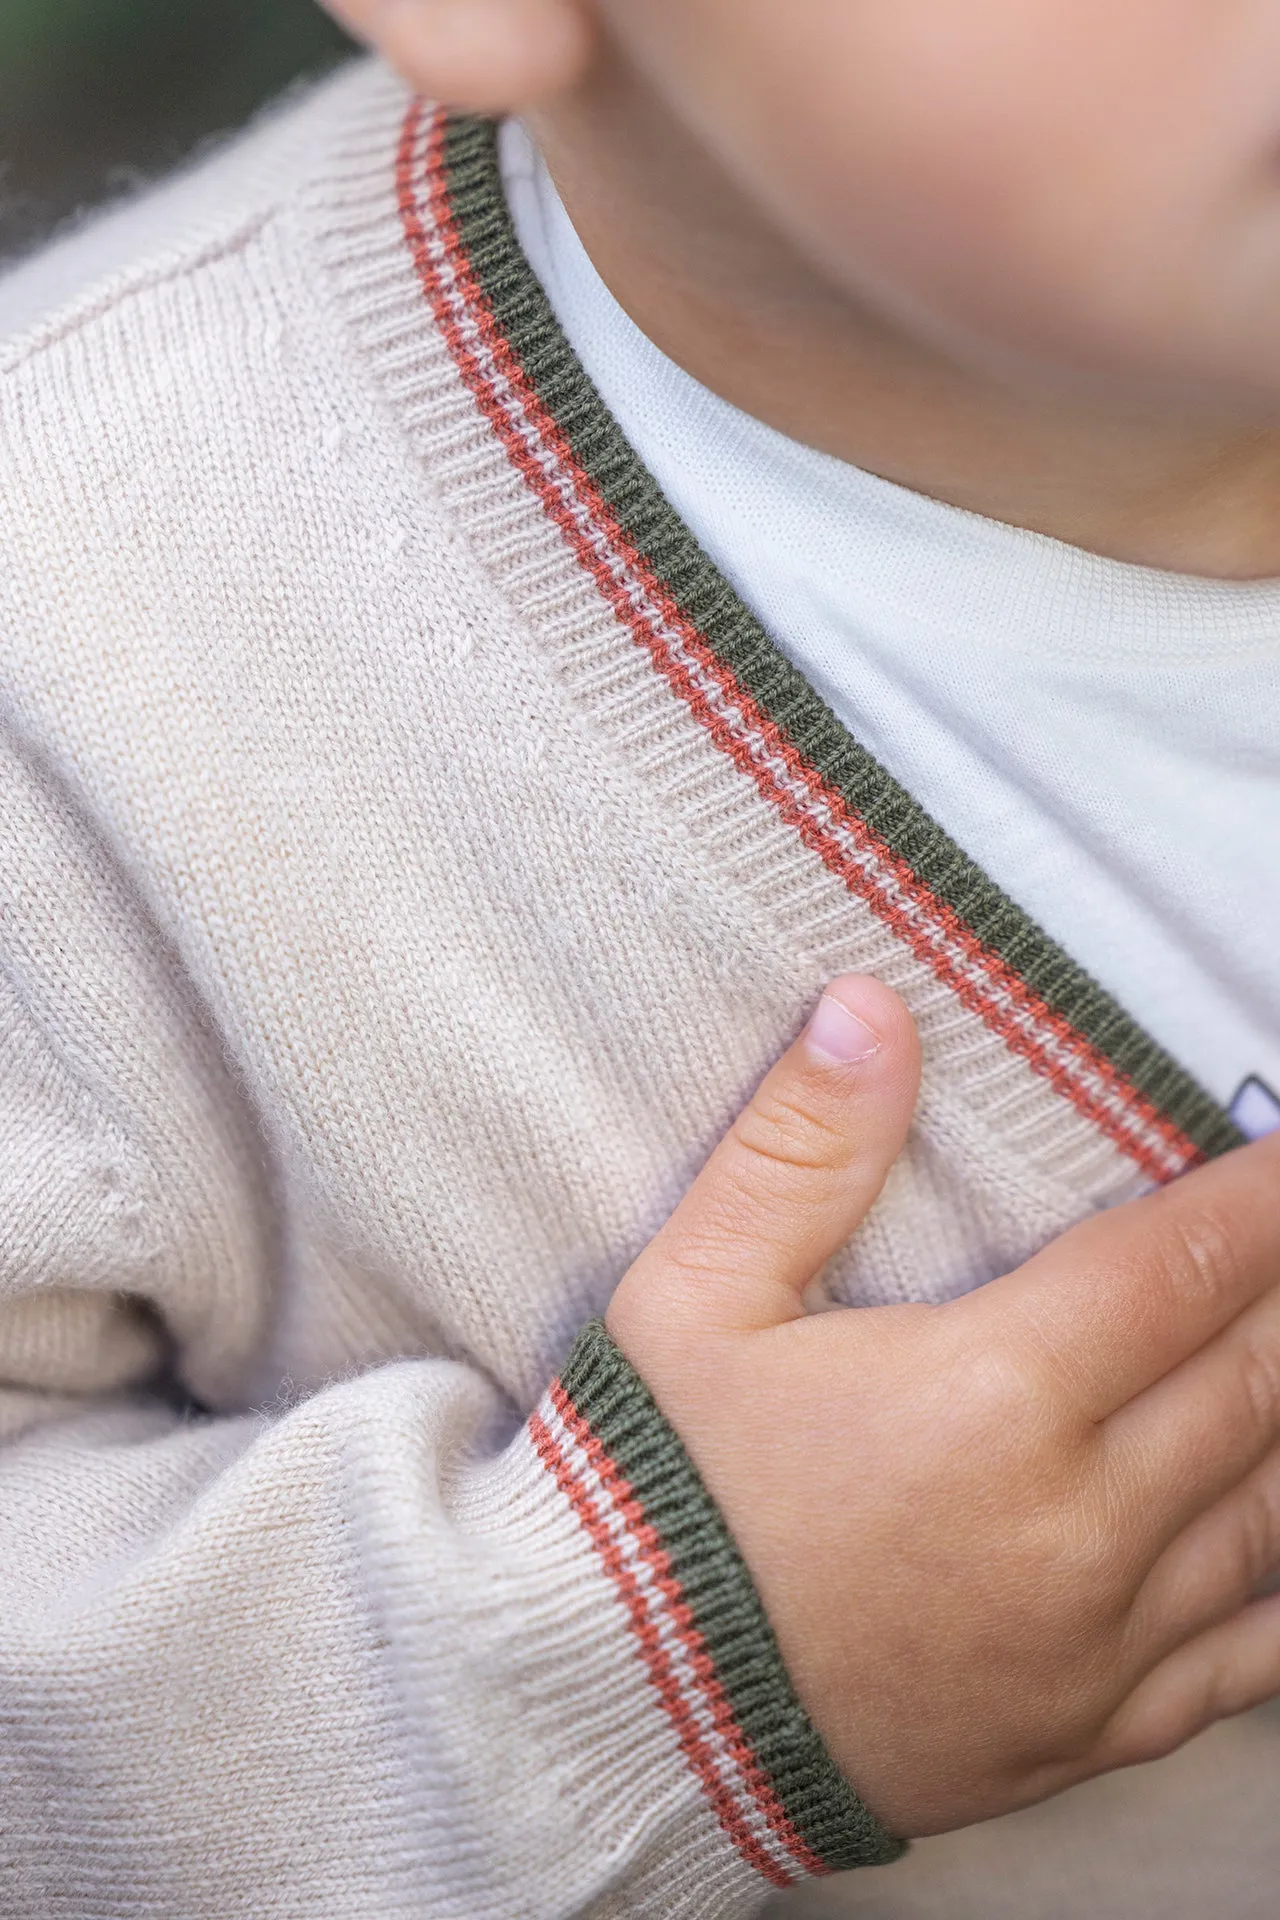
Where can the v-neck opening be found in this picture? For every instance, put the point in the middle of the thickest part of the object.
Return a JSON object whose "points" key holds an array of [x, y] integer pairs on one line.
{"points": [[753, 703]]}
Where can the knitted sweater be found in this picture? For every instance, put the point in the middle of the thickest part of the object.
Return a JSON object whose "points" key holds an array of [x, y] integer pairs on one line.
{"points": [[411, 855]]}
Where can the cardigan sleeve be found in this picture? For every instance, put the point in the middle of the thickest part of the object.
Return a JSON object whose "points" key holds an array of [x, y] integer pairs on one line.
{"points": [[387, 1644]]}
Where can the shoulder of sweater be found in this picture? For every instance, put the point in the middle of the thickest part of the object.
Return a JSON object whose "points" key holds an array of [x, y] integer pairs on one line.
{"points": [[205, 212], [190, 348]]}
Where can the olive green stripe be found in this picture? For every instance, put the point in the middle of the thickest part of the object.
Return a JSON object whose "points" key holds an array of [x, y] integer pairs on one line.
{"points": [[528, 323], [714, 1581]]}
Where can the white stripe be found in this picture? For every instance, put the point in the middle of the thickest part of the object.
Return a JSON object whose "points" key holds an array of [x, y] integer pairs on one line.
{"points": [[661, 1617], [862, 858]]}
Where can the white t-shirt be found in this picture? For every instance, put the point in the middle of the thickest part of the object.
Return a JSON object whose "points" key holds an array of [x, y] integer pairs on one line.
{"points": [[1103, 739]]}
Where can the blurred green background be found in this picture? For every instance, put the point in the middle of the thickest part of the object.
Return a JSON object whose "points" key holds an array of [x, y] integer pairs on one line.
{"points": [[98, 94]]}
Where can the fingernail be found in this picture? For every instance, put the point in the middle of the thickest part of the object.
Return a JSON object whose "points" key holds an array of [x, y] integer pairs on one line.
{"points": [[836, 1034]]}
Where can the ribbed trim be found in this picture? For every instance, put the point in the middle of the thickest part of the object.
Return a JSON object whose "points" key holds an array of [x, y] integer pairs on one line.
{"points": [[407, 216], [698, 1624], [754, 702]]}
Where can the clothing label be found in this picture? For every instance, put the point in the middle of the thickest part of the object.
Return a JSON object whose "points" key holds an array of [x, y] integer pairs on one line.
{"points": [[1256, 1110]]}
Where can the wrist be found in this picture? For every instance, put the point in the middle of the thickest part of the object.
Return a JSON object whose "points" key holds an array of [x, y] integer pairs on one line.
{"points": [[701, 1628]]}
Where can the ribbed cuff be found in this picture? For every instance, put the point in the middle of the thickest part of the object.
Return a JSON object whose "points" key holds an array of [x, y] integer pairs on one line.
{"points": [[699, 1624]]}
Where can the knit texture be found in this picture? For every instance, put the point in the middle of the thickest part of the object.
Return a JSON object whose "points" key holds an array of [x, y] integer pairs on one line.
{"points": [[411, 856]]}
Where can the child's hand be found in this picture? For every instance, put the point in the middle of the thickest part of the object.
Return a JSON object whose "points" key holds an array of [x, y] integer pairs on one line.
{"points": [[1005, 1543]]}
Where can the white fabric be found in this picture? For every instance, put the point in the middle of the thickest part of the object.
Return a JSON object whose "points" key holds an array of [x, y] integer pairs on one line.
{"points": [[383, 949], [269, 1113], [1103, 739]]}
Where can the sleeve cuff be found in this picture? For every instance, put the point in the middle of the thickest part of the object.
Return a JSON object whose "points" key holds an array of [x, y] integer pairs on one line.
{"points": [[698, 1624]]}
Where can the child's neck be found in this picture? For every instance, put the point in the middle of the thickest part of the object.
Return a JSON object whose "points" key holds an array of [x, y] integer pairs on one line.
{"points": [[712, 284]]}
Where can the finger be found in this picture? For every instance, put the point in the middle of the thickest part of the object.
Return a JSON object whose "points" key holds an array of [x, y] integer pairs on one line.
{"points": [[1215, 1567], [1180, 1447], [1232, 1667], [487, 56], [1119, 1301], [797, 1171]]}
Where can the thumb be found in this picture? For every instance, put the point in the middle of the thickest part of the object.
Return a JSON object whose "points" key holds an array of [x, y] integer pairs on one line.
{"points": [[795, 1175]]}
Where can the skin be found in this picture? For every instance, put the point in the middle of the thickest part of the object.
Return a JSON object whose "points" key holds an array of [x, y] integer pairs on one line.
{"points": [[1086, 1450], [1025, 255]]}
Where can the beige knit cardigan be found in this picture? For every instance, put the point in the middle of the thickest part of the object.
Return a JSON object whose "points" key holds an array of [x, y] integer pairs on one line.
{"points": [[411, 855]]}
